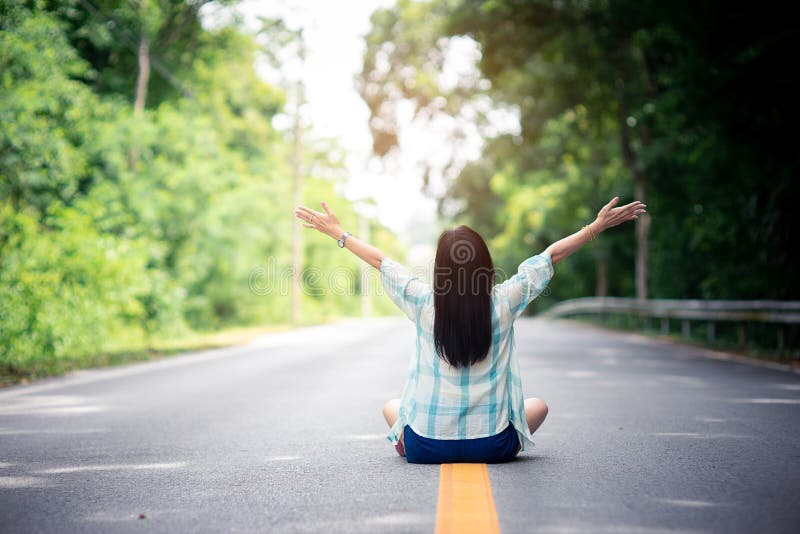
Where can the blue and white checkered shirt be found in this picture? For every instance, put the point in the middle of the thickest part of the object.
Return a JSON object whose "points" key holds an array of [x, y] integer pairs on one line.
{"points": [[442, 402]]}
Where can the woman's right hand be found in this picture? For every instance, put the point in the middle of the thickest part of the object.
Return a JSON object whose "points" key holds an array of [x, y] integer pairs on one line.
{"points": [[610, 216], [327, 222]]}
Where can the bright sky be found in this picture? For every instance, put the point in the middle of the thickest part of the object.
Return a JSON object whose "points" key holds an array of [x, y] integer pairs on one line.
{"points": [[334, 34]]}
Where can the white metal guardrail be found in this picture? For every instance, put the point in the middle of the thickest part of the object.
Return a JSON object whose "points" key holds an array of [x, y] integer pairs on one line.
{"points": [[686, 311]]}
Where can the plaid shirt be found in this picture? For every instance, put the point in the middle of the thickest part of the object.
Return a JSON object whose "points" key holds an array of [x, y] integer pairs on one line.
{"points": [[442, 402]]}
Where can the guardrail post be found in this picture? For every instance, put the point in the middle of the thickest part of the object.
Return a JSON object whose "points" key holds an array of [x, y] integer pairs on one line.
{"points": [[741, 334], [685, 328], [711, 331], [665, 325]]}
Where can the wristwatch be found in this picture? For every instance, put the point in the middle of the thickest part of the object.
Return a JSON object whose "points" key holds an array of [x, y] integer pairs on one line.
{"points": [[343, 239]]}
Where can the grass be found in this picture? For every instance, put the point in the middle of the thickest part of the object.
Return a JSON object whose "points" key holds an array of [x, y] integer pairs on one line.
{"points": [[128, 346], [137, 350]]}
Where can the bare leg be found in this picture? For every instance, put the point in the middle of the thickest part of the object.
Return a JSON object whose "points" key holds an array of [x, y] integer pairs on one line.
{"points": [[535, 413], [391, 411]]}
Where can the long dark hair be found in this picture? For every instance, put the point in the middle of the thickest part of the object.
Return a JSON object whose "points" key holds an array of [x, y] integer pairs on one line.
{"points": [[462, 284]]}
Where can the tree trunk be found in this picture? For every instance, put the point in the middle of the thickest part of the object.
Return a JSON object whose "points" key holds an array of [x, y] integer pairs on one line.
{"points": [[144, 75], [642, 241], [643, 222], [297, 236], [141, 92], [600, 252], [640, 191], [297, 166]]}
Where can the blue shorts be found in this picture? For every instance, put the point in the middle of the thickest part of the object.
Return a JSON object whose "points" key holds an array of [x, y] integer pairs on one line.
{"points": [[501, 447]]}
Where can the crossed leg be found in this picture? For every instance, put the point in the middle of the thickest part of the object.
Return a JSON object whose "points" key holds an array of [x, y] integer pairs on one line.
{"points": [[535, 414], [391, 410]]}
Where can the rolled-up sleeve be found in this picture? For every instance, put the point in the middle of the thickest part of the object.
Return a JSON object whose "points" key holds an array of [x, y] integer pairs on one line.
{"points": [[407, 291], [531, 279]]}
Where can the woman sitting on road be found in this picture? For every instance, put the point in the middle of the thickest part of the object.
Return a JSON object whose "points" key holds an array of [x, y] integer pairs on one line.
{"points": [[462, 401]]}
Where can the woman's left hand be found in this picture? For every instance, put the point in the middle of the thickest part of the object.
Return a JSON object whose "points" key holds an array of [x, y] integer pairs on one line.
{"points": [[327, 222], [610, 216]]}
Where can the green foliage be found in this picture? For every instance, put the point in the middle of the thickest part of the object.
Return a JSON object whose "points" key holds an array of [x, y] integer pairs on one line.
{"points": [[40, 94], [689, 104], [121, 225], [64, 287], [407, 48]]}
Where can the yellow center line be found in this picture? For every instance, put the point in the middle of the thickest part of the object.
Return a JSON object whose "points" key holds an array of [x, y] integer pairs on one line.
{"points": [[465, 500]]}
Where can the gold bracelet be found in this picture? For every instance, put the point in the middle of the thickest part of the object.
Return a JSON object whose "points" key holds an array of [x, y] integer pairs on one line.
{"points": [[592, 235]]}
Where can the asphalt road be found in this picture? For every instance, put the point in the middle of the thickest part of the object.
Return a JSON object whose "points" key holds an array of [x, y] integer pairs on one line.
{"points": [[286, 435]]}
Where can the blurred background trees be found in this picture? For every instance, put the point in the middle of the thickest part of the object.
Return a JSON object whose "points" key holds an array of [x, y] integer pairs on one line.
{"points": [[144, 192], [142, 182], [688, 106]]}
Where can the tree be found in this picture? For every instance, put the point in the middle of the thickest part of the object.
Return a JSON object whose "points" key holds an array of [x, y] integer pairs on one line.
{"points": [[691, 100]]}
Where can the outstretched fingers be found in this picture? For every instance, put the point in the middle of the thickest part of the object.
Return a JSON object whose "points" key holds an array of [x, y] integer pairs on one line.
{"points": [[634, 209], [624, 213], [301, 215], [309, 211], [308, 215]]}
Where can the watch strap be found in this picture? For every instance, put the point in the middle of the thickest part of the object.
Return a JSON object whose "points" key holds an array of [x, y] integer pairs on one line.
{"points": [[341, 240]]}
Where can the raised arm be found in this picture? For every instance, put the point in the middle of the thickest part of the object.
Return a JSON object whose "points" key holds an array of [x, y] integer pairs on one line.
{"points": [[606, 218], [328, 224]]}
